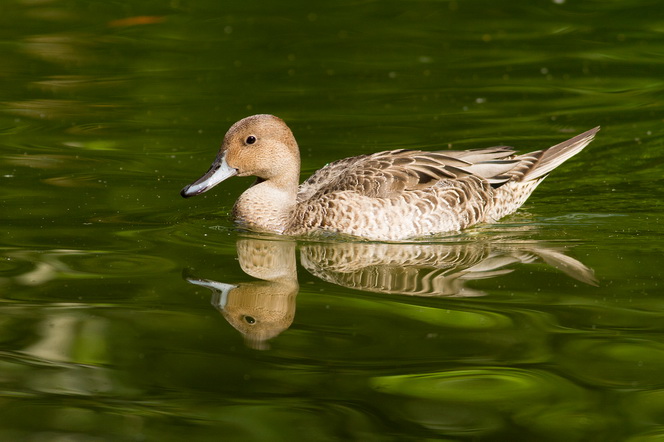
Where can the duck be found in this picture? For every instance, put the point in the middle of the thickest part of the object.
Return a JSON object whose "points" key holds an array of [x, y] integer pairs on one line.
{"points": [[392, 195]]}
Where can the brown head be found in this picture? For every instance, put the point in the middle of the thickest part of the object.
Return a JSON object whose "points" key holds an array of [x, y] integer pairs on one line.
{"points": [[261, 146]]}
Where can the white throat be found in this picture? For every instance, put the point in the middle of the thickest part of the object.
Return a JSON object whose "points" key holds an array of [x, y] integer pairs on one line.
{"points": [[266, 207]]}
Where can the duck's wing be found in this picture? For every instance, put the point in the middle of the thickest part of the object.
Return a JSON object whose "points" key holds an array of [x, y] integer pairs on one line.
{"points": [[384, 174]]}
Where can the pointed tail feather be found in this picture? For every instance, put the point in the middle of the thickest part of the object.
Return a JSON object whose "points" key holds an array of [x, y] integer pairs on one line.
{"points": [[554, 156]]}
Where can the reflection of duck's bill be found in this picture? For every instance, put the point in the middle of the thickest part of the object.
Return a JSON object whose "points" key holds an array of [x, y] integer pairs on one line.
{"points": [[221, 290]]}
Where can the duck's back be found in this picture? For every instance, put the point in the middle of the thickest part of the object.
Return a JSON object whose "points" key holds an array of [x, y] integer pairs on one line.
{"points": [[388, 174]]}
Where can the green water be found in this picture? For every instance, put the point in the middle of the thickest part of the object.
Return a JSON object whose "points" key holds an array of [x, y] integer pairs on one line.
{"points": [[546, 326]]}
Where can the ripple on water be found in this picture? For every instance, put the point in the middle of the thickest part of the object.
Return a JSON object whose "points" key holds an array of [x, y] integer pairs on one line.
{"points": [[36, 267], [615, 362], [487, 400]]}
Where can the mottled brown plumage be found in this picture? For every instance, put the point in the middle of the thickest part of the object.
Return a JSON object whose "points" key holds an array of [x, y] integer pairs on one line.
{"points": [[389, 195]]}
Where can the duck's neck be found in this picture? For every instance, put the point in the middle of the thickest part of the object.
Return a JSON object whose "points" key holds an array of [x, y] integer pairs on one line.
{"points": [[267, 205]]}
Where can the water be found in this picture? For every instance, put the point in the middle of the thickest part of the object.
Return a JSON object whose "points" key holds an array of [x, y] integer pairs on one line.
{"points": [[128, 313]]}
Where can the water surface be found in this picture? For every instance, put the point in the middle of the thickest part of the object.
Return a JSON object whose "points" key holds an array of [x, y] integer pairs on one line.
{"points": [[128, 313]]}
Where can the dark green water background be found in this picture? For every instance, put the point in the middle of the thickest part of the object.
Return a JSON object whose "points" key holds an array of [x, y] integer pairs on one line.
{"points": [[107, 109]]}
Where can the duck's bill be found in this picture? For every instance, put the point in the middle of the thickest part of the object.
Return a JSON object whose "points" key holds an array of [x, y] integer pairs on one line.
{"points": [[219, 171]]}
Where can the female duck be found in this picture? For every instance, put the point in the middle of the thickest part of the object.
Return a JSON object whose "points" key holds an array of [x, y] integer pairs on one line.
{"points": [[389, 195]]}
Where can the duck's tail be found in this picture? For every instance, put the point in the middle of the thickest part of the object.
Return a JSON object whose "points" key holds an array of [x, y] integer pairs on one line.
{"points": [[531, 169], [535, 165]]}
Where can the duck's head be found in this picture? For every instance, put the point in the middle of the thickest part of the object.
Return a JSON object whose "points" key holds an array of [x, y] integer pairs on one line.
{"points": [[261, 146]]}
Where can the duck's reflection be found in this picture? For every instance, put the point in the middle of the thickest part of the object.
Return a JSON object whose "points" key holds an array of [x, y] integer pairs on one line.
{"points": [[260, 310], [428, 269]]}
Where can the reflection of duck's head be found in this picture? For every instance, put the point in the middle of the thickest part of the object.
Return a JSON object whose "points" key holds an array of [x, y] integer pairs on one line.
{"points": [[258, 310]]}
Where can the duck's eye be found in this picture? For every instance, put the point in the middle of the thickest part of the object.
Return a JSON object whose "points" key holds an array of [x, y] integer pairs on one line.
{"points": [[249, 320], [251, 139]]}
